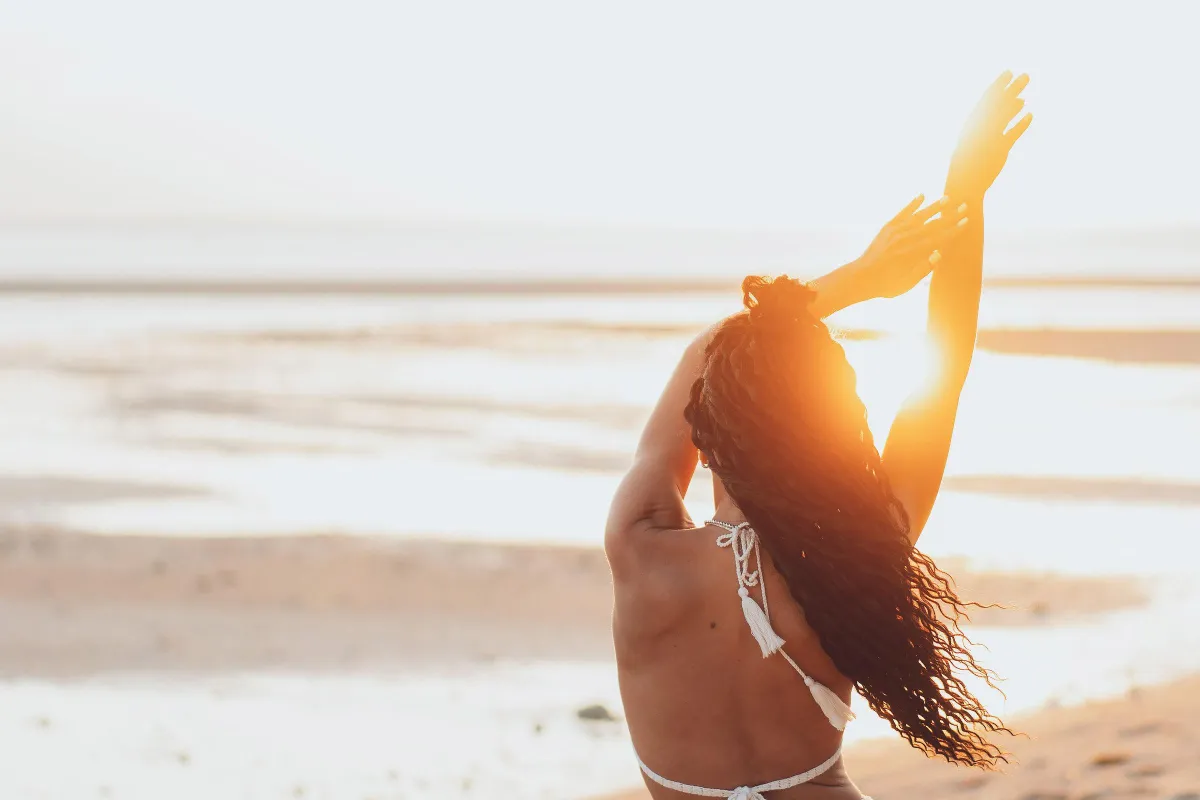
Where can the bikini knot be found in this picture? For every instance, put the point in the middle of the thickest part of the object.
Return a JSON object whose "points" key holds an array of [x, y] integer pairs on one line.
{"points": [[745, 793]]}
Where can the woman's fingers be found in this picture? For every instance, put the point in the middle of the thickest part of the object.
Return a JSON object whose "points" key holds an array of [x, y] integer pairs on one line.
{"points": [[1003, 114], [907, 211], [923, 215], [931, 235], [1012, 109], [1017, 86], [1021, 125], [949, 217], [1002, 98], [1001, 82]]}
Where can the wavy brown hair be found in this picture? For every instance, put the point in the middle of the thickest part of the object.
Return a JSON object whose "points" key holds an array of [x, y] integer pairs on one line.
{"points": [[777, 415]]}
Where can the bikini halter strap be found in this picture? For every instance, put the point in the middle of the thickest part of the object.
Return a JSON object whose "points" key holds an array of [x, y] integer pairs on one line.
{"points": [[743, 541]]}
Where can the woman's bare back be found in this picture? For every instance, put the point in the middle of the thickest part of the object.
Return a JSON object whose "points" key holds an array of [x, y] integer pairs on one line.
{"points": [[704, 707]]}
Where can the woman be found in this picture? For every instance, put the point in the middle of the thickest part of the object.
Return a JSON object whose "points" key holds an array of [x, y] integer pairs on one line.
{"points": [[723, 688]]}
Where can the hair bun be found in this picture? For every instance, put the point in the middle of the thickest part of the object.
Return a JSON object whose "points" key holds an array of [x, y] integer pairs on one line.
{"points": [[781, 298]]}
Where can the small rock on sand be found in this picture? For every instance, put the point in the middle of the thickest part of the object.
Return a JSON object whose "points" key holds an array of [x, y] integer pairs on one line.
{"points": [[1109, 759], [596, 712]]}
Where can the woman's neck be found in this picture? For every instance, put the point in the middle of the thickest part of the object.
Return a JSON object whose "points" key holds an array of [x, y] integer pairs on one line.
{"points": [[727, 511]]}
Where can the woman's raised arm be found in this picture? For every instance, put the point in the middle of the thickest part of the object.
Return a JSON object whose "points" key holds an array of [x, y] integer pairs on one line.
{"points": [[914, 457], [651, 495]]}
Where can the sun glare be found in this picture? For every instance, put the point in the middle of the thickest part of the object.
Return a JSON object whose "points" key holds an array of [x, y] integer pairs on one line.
{"points": [[886, 343], [888, 372]]}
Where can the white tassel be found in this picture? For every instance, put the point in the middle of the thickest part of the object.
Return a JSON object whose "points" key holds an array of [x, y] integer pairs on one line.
{"points": [[768, 640], [837, 712]]}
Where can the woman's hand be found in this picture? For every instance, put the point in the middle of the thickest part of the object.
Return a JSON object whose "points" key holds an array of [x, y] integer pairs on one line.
{"points": [[908, 247], [900, 256], [904, 252], [984, 144]]}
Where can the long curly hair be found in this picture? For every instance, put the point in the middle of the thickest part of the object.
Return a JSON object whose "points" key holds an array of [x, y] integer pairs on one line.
{"points": [[777, 416]]}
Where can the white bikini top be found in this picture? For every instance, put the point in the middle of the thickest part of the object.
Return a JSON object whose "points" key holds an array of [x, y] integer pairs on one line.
{"points": [[743, 541]]}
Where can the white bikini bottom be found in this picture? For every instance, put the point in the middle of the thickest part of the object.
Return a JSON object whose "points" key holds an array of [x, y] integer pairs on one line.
{"points": [[743, 792]]}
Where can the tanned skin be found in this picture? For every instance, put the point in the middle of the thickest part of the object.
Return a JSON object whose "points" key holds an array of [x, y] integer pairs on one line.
{"points": [[703, 707]]}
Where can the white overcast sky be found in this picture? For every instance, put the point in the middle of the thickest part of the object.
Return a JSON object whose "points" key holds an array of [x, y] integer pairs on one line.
{"points": [[629, 113]]}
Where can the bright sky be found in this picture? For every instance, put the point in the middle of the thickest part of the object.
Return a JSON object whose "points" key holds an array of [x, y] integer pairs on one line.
{"points": [[644, 113]]}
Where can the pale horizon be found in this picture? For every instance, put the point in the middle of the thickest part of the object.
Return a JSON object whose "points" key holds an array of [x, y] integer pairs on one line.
{"points": [[645, 115]]}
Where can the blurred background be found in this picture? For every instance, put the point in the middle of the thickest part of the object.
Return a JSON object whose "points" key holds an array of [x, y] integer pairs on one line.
{"points": [[327, 330]]}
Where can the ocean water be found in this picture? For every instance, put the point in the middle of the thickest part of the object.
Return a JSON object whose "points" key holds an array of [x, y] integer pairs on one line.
{"points": [[193, 415], [511, 418]]}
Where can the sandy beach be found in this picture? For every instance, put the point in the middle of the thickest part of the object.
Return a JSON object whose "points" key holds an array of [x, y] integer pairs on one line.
{"points": [[1146, 744], [76, 604]]}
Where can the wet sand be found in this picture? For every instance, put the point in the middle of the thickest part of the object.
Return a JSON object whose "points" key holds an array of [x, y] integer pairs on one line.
{"points": [[1146, 744], [78, 604]]}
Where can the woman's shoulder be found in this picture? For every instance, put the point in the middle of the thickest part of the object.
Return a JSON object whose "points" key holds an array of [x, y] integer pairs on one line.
{"points": [[660, 577], [646, 552]]}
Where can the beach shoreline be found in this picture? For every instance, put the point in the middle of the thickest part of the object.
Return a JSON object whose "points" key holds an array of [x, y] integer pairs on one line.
{"points": [[76, 604]]}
